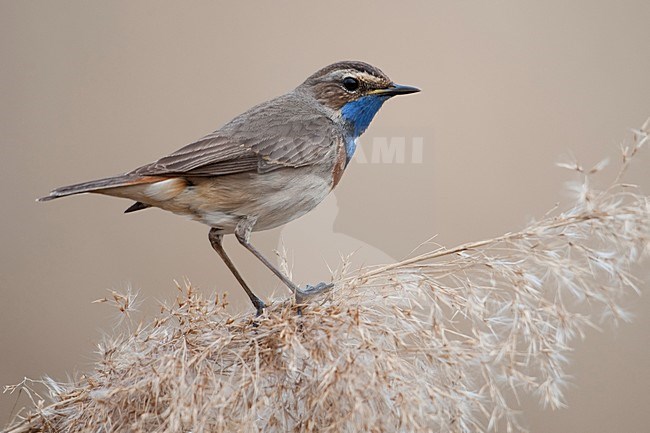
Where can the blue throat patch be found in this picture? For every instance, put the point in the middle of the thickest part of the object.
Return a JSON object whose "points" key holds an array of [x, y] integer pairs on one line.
{"points": [[358, 114]]}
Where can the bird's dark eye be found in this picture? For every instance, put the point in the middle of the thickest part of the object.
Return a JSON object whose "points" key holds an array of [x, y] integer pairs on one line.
{"points": [[350, 84]]}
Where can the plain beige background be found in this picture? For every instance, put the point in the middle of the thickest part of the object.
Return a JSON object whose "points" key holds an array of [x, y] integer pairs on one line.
{"points": [[90, 89]]}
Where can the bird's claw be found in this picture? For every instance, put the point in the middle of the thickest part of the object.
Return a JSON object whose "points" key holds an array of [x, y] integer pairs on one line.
{"points": [[308, 291], [259, 307]]}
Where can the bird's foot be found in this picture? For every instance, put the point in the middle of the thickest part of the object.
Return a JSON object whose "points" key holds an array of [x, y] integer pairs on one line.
{"points": [[259, 306], [308, 291]]}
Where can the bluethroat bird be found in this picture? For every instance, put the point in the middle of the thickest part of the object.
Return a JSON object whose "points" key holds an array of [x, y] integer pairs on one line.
{"points": [[266, 167]]}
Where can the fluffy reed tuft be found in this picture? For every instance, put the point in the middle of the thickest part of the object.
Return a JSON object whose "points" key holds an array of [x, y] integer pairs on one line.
{"points": [[439, 342]]}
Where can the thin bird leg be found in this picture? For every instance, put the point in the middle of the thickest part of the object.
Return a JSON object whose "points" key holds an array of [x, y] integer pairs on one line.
{"points": [[243, 234], [216, 242]]}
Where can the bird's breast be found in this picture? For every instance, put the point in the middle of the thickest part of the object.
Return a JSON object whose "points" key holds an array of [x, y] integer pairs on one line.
{"points": [[339, 165]]}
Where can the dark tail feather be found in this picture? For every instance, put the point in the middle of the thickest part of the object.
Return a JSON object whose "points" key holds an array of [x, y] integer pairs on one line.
{"points": [[138, 205], [97, 185]]}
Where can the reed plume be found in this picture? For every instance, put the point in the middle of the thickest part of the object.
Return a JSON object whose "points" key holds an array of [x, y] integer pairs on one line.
{"points": [[444, 341]]}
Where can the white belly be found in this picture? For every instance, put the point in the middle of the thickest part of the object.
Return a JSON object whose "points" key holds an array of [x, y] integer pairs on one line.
{"points": [[273, 198]]}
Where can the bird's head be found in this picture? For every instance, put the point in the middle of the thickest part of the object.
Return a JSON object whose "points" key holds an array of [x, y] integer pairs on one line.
{"points": [[355, 90]]}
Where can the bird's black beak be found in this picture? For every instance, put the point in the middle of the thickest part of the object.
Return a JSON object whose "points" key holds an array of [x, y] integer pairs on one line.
{"points": [[396, 89]]}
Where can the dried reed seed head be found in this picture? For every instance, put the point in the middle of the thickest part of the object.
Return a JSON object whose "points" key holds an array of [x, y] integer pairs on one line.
{"points": [[443, 341]]}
